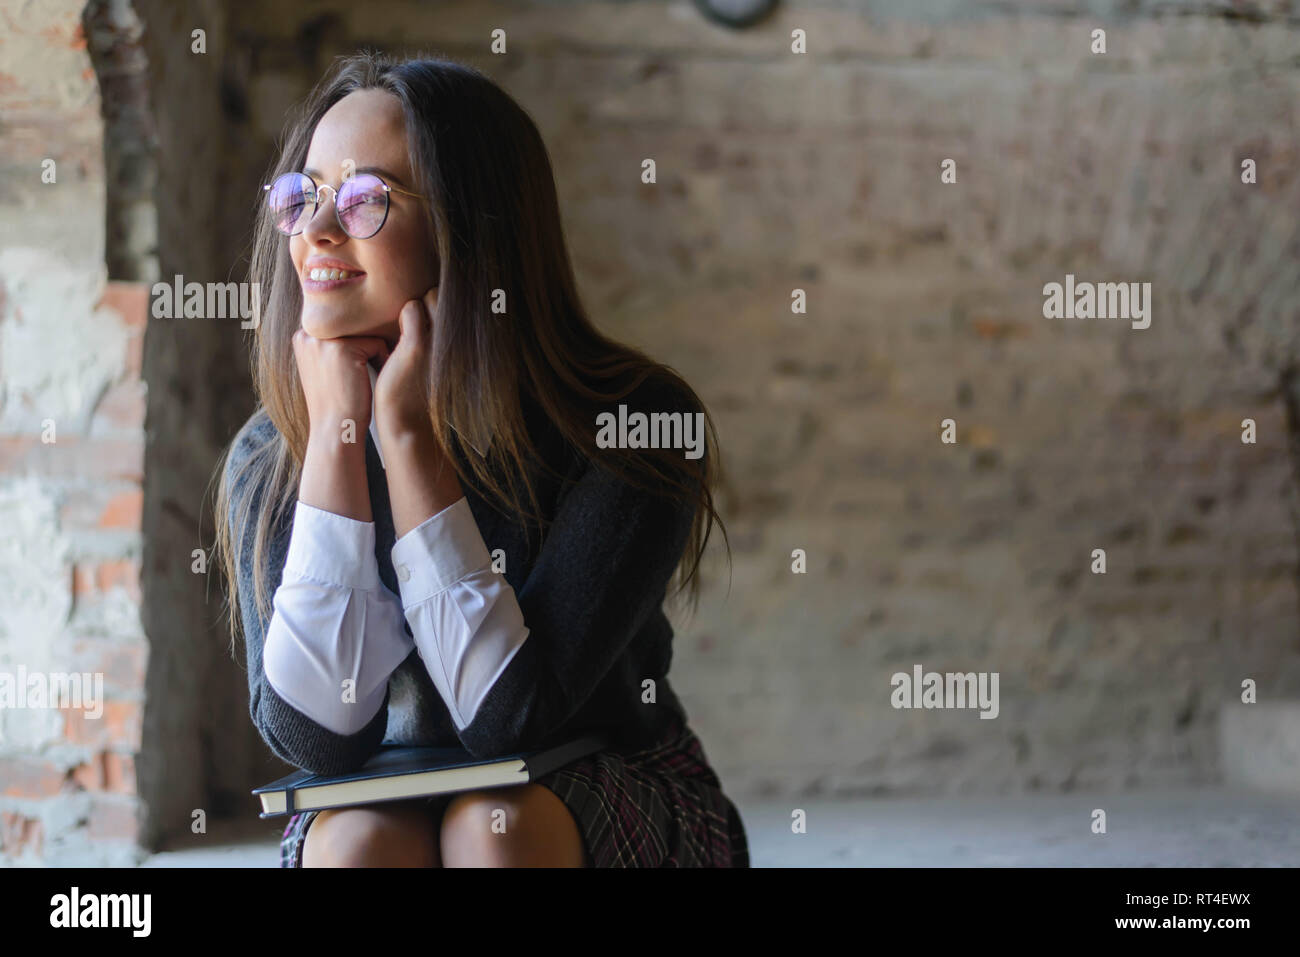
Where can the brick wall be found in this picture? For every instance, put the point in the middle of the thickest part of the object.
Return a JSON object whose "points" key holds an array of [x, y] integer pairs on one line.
{"points": [[72, 412]]}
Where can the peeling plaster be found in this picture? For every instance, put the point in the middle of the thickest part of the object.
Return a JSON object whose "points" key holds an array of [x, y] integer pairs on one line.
{"points": [[59, 350]]}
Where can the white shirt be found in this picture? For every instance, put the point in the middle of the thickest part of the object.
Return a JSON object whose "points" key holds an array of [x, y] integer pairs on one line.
{"points": [[336, 632]]}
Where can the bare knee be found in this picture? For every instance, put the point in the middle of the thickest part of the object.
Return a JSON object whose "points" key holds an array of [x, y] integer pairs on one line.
{"points": [[524, 826], [401, 835]]}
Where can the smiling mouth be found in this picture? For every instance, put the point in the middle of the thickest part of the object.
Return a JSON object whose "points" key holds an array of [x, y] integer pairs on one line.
{"points": [[331, 273], [323, 279]]}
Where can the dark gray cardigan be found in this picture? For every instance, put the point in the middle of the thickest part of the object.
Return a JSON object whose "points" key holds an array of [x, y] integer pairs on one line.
{"points": [[591, 597]]}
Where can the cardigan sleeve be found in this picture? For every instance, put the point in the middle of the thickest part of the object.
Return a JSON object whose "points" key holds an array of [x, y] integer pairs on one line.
{"points": [[602, 571], [291, 735]]}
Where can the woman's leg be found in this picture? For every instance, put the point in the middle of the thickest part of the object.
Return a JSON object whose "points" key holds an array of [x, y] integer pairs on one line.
{"points": [[392, 834], [523, 826]]}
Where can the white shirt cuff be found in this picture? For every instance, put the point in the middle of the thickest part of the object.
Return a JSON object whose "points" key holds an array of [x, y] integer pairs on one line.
{"points": [[332, 549], [321, 637], [467, 636], [438, 553]]}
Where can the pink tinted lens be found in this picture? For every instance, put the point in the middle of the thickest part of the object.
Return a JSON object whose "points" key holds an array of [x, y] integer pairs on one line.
{"points": [[362, 205], [292, 199]]}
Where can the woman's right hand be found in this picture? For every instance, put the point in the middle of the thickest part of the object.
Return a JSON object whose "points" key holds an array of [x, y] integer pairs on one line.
{"points": [[334, 380]]}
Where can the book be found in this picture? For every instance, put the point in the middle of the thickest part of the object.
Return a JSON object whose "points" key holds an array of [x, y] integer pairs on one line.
{"points": [[397, 772]]}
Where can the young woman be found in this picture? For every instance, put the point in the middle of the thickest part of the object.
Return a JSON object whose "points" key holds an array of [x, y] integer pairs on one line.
{"points": [[427, 540]]}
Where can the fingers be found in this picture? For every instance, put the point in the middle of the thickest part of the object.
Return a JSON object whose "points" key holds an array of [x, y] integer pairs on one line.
{"points": [[368, 346], [414, 322], [409, 319], [366, 349]]}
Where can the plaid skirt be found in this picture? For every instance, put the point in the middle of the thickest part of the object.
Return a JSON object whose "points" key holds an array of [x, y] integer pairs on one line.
{"points": [[660, 807]]}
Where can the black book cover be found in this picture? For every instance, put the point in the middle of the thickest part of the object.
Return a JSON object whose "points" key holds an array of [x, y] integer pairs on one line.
{"points": [[394, 760]]}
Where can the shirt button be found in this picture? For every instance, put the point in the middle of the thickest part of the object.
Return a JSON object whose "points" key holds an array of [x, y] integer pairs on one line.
{"points": [[403, 573]]}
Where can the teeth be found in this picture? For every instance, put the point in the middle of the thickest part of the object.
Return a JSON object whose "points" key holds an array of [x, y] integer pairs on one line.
{"points": [[321, 275]]}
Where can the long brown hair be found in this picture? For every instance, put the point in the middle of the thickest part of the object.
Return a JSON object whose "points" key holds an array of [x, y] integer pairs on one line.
{"points": [[495, 220]]}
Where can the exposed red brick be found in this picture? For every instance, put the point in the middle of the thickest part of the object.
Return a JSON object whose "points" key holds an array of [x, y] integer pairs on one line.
{"points": [[83, 579], [19, 834], [74, 456], [122, 405], [121, 663], [119, 773], [107, 771], [130, 300], [124, 510], [118, 726], [119, 574], [113, 818], [134, 356], [82, 508], [90, 578], [29, 777], [14, 449], [90, 775]]}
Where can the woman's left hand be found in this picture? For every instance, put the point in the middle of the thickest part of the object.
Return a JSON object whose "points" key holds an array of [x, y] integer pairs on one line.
{"points": [[403, 387], [422, 480]]}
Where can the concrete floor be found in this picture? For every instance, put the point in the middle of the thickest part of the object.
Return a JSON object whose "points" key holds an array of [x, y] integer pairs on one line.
{"points": [[1206, 828]]}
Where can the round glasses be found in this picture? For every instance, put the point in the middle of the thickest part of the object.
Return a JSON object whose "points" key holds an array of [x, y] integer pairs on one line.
{"points": [[360, 204]]}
